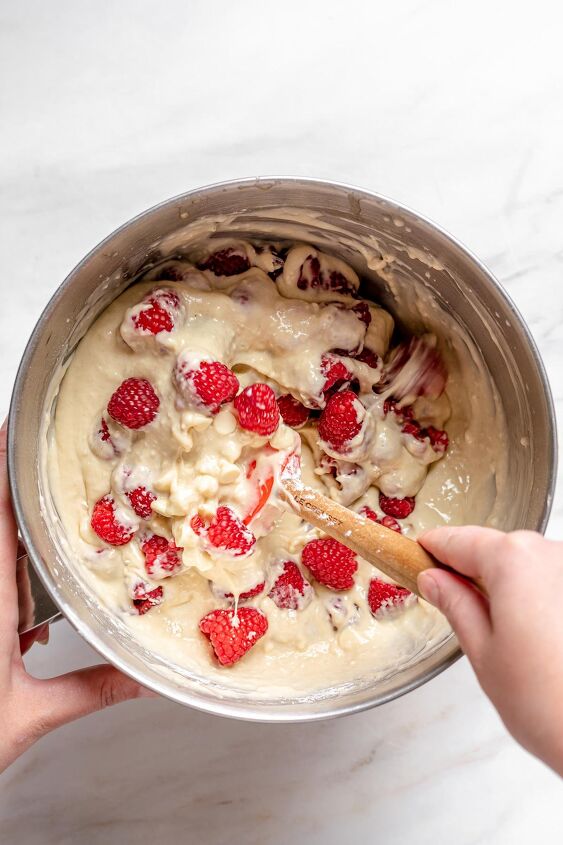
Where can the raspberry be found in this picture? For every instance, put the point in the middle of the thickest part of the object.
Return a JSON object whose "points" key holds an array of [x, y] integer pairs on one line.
{"points": [[404, 413], [167, 298], [232, 635], [198, 525], [103, 444], [171, 273], [257, 409], [145, 599], [328, 465], [383, 597], [105, 524], [438, 438], [134, 404], [162, 556], [390, 522], [387, 521], [290, 589], [103, 433], [249, 594], [367, 356], [278, 260], [293, 412], [414, 428], [225, 531], [341, 420], [157, 316], [225, 262], [212, 382], [311, 276], [363, 312], [331, 563], [336, 373], [310, 273], [338, 282], [141, 500], [397, 508]]}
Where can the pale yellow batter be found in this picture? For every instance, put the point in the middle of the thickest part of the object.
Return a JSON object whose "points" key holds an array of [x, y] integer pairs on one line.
{"points": [[273, 330]]}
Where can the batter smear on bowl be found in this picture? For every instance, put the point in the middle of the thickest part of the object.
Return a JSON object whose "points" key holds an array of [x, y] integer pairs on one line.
{"points": [[174, 420]]}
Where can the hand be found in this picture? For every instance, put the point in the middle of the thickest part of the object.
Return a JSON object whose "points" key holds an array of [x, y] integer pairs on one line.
{"points": [[514, 640], [30, 708]]}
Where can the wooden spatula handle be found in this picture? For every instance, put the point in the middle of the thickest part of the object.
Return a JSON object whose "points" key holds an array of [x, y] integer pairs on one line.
{"points": [[397, 556]]}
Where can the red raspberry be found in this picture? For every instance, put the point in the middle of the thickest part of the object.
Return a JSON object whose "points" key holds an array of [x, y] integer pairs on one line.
{"points": [[387, 521], [341, 420], [145, 599], [363, 312], [369, 357], [278, 257], [438, 438], [134, 404], [293, 412], [331, 563], [249, 594], [141, 500], [157, 317], [390, 522], [336, 373], [311, 276], [162, 556], [383, 597], [328, 465], [213, 383], [338, 282], [397, 508], [225, 531], [171, 273], [257, 409], [404, 413], [104, 432], [198, 525], [105, 524], [310, 273], [291, 588], [414, 428], [226, 262], [232, 635]]}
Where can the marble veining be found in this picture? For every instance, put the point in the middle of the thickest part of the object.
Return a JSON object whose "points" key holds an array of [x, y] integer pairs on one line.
{"points": [[109, 108]]}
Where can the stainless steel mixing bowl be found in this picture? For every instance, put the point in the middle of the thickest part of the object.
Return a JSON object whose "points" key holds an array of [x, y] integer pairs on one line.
{"points": [[358, 225]]}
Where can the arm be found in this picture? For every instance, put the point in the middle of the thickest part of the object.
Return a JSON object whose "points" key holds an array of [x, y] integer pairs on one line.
{"points": [[30, 708], [514, 640]]}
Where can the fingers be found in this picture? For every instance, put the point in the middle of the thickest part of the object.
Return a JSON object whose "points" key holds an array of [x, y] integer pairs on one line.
{"points": [[464, 608], [26, 602], [8, 544], [79, 693], [471, 550]]}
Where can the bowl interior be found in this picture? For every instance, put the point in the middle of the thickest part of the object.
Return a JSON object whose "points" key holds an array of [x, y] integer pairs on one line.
{"points": [[399, 254]]}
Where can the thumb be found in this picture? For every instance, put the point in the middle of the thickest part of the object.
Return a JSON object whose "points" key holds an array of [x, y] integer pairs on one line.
{"points": [[465, 609], [81, 692]]}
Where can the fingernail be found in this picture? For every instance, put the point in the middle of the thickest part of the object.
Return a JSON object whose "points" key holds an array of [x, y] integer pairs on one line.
{"points": [[43, 638], [429, 587]]}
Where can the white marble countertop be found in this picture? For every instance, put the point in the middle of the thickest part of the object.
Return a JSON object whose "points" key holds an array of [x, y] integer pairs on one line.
{"points": [[107, 109]]}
